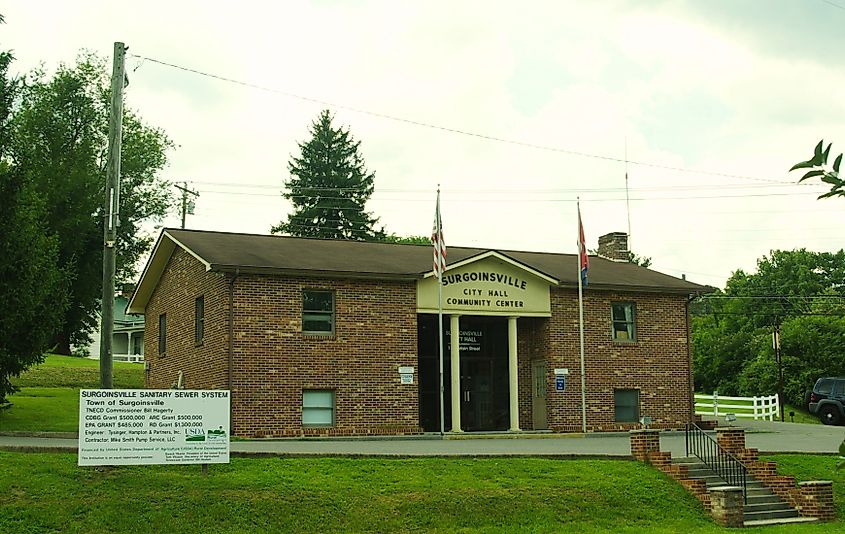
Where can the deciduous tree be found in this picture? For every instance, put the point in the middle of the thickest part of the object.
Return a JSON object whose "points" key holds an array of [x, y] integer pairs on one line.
{"points": [[732, 339], [32, 290], [60, 141]]}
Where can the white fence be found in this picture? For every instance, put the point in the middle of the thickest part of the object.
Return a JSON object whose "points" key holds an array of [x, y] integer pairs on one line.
{"points": [[767, 408]]}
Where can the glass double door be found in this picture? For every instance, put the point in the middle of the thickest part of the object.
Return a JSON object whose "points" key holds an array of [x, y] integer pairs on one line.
{"points": [[483, 392], [478, 411]]}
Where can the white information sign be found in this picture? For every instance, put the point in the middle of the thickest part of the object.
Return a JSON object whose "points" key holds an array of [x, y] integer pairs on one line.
{"points": [[153, 426]]}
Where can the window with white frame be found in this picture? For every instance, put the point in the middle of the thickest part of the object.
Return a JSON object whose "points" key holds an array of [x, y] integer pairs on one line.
{"points": [[624, 316], [317, 407]]}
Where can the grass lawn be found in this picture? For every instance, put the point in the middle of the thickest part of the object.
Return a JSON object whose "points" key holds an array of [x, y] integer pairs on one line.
{"points": [[49, 397], [43, 492], [48, 492], [42, 410], [73, 372]]}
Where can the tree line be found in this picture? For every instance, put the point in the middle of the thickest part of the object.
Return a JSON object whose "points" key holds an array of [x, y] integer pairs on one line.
{"points": [[53, 155], [800, 293]]}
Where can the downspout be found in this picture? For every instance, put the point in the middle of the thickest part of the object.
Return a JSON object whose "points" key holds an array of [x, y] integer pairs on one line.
{"points": [[691, 418], [231, 355]]}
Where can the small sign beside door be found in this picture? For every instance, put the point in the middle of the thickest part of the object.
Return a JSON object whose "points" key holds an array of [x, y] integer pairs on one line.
{"points": [[406, 374], [560, 383]]}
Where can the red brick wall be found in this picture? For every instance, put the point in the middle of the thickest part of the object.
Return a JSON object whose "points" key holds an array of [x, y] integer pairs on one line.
{"points": [[657, 364], [375, 334], [203, 366]]}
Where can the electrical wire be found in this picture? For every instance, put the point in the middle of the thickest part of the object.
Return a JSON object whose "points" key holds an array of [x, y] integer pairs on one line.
{"points": [[457, 131]]}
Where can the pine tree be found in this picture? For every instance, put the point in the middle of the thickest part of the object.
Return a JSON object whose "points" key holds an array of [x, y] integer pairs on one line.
{"points": [[329, 186]]}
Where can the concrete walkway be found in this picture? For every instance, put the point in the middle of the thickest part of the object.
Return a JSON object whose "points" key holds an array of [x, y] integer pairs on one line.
{"points": [[768, 437]]}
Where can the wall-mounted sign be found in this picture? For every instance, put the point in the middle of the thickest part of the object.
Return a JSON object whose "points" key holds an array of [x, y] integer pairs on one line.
{"points": [[492, 284], [563, 372], [406, 374], [560, 383], [153, 426]]}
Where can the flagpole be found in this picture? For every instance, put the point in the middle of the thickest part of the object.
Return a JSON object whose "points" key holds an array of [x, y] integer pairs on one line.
{"points": [[581, 324], [440, 315]]}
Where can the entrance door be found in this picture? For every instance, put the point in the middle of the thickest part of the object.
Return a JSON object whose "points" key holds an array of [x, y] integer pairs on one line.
{"points": [[477, 394], [538, 396]]}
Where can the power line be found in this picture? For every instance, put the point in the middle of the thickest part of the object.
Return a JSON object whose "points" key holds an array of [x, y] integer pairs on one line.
{"points": [[772, 297], [526, 199], [505, 191], [828, 2], [452, 130]]}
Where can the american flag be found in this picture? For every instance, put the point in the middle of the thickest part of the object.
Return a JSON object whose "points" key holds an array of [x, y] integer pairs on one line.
{"points": [[438, 242]]}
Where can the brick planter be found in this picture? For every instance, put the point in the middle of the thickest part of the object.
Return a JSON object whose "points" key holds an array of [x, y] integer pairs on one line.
{"points": [[731, 439], [817, 499], [726, 506], [644, 442]]}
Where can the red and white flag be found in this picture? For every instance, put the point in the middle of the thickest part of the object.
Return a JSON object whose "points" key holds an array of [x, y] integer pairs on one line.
{"points": [[438, 242]]}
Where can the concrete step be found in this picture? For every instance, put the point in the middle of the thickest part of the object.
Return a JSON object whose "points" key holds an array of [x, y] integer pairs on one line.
{"points": [[761, 498], [772, 514], [766, 507], [762, 506], [781, 521]]}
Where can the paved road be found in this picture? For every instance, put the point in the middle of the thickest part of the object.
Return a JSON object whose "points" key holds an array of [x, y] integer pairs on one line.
{"points": [[765, 436]]}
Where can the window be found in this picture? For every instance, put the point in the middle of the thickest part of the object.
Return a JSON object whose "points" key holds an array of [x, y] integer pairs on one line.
{"points": [[825, 386], [627, 405], [162, 334], [318, 312], [199, 319], [317, 407], [624, 315]]}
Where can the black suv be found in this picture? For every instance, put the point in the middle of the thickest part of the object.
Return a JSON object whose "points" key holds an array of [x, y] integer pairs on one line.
{"points": [[827, 399]]}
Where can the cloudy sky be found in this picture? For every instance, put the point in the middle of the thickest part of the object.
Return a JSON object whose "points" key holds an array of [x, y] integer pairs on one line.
{"points": [[515, 109]]}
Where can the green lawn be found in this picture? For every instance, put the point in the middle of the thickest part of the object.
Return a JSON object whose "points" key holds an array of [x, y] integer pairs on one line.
{"points": [[43, 492], [42, 410], [48, 492], [72, 372], [49, 397]]}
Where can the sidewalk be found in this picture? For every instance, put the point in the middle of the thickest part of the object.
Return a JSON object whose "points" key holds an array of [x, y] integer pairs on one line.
{"points": [[767, 437]]}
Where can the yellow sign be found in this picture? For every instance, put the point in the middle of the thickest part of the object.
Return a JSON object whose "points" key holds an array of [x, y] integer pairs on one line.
{"points": [[490, 284]]}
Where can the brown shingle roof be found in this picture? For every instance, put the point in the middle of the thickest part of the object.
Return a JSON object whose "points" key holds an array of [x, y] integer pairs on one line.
{"points": [[278, 254], [250, 253]]}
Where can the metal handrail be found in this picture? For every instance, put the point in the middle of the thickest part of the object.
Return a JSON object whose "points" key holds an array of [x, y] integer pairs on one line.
{"points": [[722, 462]]}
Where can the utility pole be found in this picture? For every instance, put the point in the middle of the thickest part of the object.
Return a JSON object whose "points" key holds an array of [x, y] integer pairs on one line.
{"points": [[778, 359], [187, 205], [112, 214]]}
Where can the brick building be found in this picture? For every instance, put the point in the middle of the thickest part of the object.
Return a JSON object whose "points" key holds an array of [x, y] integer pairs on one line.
{"points": [[318, 337]]}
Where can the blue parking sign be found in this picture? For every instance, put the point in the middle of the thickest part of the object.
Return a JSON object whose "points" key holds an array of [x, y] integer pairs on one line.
{"points": [[560, 383]]}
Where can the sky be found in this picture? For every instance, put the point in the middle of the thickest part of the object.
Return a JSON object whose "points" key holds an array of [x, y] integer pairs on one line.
{"points": [[515, 110]]}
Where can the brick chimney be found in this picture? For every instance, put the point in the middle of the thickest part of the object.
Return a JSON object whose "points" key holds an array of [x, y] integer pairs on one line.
{"points": [[614, 246]]}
